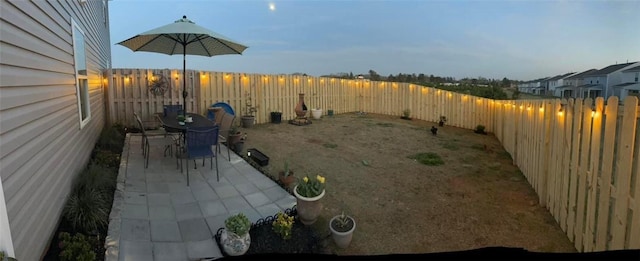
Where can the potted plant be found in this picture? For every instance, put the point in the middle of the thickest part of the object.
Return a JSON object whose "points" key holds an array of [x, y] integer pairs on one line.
{"points": [[276, 117], [235, 237], [316, 113], [406, 113], [308, 193], [283, 225], [248, 119], [330, 112], [342, 227], [286, 176], [234, 135], [443, 119], [480, 129]]}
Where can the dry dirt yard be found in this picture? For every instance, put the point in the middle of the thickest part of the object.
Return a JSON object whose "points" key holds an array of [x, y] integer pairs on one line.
{"points": [[477, 198]]}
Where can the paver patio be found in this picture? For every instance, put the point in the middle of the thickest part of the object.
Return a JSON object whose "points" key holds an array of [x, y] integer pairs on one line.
{"points": [[156, 216]]}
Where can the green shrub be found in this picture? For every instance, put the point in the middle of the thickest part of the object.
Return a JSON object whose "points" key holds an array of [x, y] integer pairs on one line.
{"points": [[76, 248], [428, 158], [112, 139], [106, 158], [90, 201], [88, 210]]}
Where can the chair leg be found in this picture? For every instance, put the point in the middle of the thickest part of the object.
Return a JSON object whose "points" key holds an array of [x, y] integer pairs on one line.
{"points": [[146, 155], [187, 172], [228, 152], [217, 173]]}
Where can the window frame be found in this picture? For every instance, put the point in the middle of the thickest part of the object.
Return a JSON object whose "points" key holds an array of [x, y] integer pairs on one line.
{"points": [[82, 81]]}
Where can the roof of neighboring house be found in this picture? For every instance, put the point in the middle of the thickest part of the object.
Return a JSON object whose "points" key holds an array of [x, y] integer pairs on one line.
{"points": [[633, 69], [564, 87], [611, 68], [561, 76], [582, 74]]}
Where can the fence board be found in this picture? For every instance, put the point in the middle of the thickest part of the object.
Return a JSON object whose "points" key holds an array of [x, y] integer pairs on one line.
{"points": [[602, 231], [623, 173], [584, 153], [592, 176], [573, 169]]}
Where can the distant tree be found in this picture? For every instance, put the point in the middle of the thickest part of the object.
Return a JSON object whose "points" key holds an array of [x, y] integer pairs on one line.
{"points": [[431, 78], [506, 82], [422, 78], [374, 75], [350, 75], [516, 94], [409, 78], [391, 78]]}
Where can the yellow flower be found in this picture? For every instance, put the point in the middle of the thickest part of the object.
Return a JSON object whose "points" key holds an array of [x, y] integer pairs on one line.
{"points": [[320, 178], [306, 179]]}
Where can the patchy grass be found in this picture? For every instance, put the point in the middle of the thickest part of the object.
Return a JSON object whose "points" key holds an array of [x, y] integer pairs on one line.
{"points": [[478, 146], [428, 158], [385, 124], [450, 145], [330, 145]]}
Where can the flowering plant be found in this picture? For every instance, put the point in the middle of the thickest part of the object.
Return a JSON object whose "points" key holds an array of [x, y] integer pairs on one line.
{"points": [[310, 187], [282, 225]]}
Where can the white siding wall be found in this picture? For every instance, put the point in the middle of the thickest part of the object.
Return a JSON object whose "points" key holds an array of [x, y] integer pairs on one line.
{"points": [[42, 147], [628, 77]]}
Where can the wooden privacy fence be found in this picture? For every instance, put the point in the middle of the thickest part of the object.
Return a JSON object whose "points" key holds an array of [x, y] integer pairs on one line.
{"points": [[581, 157], [129, 92]]}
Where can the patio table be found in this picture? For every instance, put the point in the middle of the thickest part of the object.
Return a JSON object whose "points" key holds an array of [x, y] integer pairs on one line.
{"points": [[171, 124]]}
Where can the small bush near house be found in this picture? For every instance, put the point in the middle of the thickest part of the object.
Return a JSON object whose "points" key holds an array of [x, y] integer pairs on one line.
{"points": [[76, 248], [86, 214]]}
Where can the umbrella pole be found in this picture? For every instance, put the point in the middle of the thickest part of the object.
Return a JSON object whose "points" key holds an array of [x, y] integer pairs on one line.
{"points": [[184, 79]]}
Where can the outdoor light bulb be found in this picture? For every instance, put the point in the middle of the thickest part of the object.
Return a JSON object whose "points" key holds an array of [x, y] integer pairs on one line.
{"points": [[560, 112], [593, 113], [248, 153], [521, 107], [541, 109]]}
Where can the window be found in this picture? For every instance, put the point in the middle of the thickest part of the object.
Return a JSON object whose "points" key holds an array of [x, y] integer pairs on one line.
{"points": [[82, 84], [637, 74]]}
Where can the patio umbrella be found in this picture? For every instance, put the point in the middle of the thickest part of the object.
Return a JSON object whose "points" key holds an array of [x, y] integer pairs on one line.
{"points": [[183, 37]]}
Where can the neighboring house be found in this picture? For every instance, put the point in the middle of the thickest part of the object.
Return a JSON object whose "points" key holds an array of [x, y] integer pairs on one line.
{"points": [[55, 57], [533, 86], [600, 83], [555, 82], [630, 83], [568, 88]]}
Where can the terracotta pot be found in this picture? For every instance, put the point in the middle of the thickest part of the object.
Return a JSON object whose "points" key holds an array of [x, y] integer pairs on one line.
{"points": [[288, 180], [308, 208]]}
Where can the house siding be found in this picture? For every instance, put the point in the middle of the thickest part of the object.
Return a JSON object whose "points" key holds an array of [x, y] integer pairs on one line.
{"points": [[42, 147]]}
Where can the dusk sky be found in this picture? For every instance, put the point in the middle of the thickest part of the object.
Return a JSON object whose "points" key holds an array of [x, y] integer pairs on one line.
{"points": [[520, 40]]}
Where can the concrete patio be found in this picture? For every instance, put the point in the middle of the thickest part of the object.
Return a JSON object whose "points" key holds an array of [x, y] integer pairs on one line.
{"points": [[156, 216]]}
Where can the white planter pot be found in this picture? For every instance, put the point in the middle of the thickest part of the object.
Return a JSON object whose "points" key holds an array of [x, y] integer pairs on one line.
{"points": [[233, 244], [342, 238], [316, 113]]}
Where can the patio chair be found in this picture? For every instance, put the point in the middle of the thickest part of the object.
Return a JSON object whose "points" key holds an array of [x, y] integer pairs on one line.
{"points": [[201, 142], [168, 109], [159, 139], [225, 127]]}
